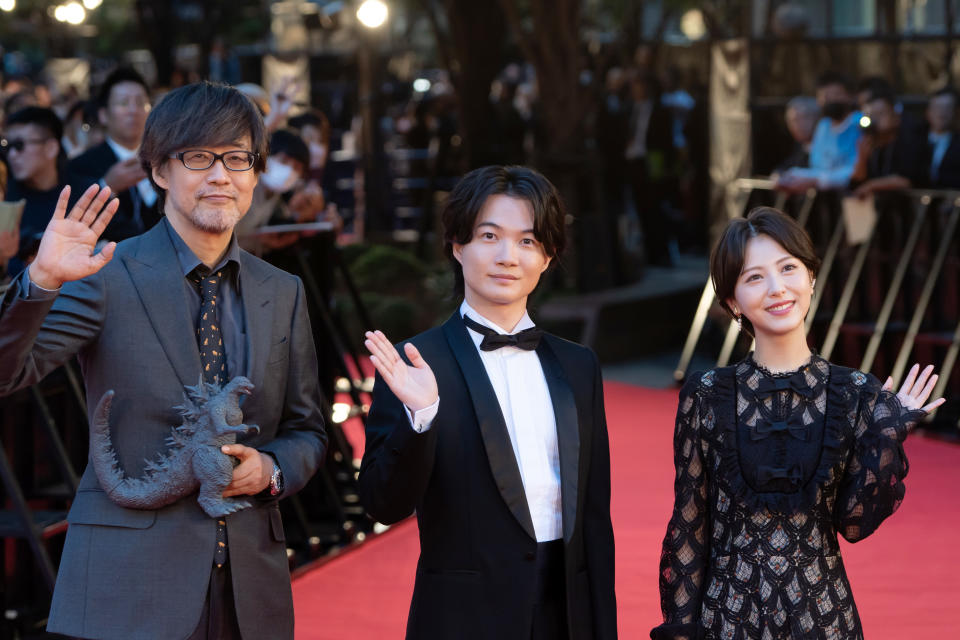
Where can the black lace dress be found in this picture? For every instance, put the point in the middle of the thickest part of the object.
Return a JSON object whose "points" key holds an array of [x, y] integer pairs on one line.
{"points": [[770, 468]]}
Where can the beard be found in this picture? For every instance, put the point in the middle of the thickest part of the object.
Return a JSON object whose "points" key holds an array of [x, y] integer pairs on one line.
{"points": [[214, 220]]}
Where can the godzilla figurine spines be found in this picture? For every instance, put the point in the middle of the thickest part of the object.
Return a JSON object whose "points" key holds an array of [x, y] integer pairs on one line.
{"points": [[211, 419]]}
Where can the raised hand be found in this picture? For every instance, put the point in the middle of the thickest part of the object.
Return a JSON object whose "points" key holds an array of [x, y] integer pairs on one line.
{"points": [[67, 246], [415, 386], [916, 388], [124, 174]]}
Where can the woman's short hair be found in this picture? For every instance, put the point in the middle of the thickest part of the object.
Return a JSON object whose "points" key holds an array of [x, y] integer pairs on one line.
{"points": [[200, 116], [463, 205], [727, 258]]}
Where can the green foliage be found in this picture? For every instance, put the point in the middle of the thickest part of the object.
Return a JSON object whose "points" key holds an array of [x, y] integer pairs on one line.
{"points": [[403, 295]]}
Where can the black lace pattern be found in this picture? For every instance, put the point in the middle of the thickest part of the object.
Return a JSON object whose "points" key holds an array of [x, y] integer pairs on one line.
{"points": [[770, 468]]}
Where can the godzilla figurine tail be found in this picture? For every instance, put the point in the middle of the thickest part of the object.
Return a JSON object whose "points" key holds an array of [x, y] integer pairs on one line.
{"points": [[163, 482]]}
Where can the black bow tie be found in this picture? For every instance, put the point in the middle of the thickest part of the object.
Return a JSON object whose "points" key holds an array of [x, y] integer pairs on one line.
{"points": [[796, 382], [528, 339]]}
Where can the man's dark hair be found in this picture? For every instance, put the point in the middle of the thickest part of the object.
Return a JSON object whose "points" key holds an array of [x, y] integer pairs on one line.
{"points": [[289, 143], [726, 260], [313, 117], [200, 116], [41, 117], [828, 78], [121, 74], [884, 96], [19, 100], [468, 197], [875, 86]]}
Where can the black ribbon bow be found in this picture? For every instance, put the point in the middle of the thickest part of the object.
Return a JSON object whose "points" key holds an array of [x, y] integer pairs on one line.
{"points": [[765, 474], [796, 382], [528, 339], [762, 429]]}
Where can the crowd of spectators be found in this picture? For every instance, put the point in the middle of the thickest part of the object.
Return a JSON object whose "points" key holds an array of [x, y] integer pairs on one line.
{"points": [[862, 140], [47, 145]]}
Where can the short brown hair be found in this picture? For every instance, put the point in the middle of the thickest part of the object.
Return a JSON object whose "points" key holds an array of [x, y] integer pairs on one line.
{"points": [[726, 260], [464, 203], [202, 114]]}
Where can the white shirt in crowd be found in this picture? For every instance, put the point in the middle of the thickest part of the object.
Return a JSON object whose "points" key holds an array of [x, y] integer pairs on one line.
{"points": [[144, 188]]}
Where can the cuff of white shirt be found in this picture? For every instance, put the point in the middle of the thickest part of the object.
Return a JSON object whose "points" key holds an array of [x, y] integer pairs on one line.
{"points": [[422, 420]]}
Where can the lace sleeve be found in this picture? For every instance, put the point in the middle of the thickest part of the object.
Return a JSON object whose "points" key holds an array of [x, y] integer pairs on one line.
{"points": [[685, 547], [873, 488]]}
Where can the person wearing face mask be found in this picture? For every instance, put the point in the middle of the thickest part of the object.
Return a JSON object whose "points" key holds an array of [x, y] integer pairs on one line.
{"points": [[286, 166], [776, 456], [833, 151]]}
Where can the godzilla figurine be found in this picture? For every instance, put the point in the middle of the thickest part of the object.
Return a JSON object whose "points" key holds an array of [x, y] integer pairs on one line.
{"points": [[211, 419]]}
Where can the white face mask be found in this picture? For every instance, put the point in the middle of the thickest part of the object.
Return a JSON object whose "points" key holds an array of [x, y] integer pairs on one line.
{"points": [[318, 155], [278, 177]]}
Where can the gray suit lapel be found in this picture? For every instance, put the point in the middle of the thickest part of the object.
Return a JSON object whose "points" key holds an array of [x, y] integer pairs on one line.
{"points": [[258, 312], [568, 433], [493, 429], [156, 275]]}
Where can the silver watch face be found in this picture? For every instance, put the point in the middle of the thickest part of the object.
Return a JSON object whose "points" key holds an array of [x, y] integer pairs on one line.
{"points": [[275, 481]]}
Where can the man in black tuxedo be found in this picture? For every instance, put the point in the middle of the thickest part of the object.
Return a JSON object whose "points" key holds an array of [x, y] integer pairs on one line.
{"points": [[494, 433], [124, 102]]}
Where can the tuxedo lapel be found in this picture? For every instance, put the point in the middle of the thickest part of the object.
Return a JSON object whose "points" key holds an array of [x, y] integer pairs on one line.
{"points": [[493, 428], [258, 311], [156, 275], [568, 433]]}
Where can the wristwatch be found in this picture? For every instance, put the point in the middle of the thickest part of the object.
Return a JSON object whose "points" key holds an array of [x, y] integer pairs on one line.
{"points": [[276, 480]]}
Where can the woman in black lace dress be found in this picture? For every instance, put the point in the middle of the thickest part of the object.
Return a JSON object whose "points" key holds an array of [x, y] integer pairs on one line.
{"points": [[775, 456]]}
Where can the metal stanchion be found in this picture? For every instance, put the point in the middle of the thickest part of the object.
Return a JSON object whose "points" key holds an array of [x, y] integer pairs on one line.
{"points": [[901, 363], [884, 317], [696, 328], [844, 304], [826, 267]]}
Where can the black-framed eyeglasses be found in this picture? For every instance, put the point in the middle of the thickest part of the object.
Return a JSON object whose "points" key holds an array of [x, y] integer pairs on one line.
{"points": [[18, 144], [201, 159]]}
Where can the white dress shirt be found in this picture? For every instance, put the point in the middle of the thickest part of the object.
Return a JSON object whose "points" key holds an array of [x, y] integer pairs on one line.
{"points": [[144, 188], [521, 389]]}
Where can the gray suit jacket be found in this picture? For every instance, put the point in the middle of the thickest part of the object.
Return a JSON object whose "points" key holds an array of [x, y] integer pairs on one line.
{"points": [[130, 573]]}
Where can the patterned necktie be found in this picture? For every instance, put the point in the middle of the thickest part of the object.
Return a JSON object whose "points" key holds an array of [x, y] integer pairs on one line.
{"points": [[214, 363], [209, 338], [528, 339]]}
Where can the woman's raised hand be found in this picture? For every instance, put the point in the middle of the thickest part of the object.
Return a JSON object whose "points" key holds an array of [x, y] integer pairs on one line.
{"points": [[916, 388], [415, 386], [67, 246]]}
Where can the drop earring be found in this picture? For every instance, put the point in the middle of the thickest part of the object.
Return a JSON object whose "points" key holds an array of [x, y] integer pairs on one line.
{"points": [[739, 323]]}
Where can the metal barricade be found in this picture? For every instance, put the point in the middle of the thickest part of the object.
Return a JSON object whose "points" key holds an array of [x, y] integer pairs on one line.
{"points": [[882, 290]]}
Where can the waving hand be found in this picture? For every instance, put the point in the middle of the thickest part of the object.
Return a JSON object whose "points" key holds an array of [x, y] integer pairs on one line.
{"points": [[916, 388], [415, 386], [67, 246]]}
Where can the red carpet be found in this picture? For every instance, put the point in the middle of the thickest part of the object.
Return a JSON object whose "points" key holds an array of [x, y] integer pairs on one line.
{"points": [[904, 577]]}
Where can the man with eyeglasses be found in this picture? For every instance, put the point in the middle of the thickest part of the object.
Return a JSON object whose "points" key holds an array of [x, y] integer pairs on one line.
{"points": [[134, 315], [32, 147], [124, 104]]}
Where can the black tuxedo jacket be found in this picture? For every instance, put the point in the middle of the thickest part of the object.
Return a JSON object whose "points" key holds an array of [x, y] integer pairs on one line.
{"points": [[94, 163], [475, 577]]}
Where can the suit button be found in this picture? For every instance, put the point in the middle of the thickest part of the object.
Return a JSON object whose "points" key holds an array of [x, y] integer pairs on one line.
{"points": [[529, 555]]}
